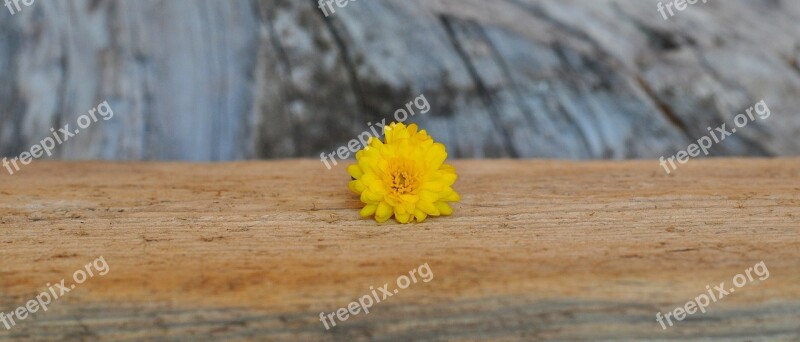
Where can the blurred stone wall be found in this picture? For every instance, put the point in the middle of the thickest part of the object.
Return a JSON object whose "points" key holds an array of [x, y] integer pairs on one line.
{"points": [[241, 79]]}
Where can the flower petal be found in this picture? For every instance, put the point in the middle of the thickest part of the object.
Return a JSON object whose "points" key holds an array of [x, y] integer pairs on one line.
{"points": [[369, 196], [403, 218], [420, 215], [383, 212], [368, 210], [428, 208], [450, 196], [355, 171], [444, 208], [357, 186]]}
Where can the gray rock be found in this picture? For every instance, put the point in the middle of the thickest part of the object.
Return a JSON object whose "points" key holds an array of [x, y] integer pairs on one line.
{"points": [[223, 80]]}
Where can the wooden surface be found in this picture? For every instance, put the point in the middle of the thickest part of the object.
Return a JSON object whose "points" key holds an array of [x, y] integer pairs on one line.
{"points": [[226, 80], [535, 250]]}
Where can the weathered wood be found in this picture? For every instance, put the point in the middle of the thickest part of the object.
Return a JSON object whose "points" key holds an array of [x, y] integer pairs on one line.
{"points": [[221, 80], [536, 250]]}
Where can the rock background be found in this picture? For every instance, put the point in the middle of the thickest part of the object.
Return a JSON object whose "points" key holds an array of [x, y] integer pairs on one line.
{"points": [[225, 80]]}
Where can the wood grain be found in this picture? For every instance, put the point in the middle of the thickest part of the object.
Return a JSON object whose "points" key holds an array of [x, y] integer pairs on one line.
{"points": [[536, 250]]}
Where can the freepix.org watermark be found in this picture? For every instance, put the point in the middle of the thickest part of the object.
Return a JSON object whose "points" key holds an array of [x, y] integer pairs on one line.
{"points": [[420, 103], [376, 296], [714, 294], [14, 5], [679, 5], [48, 144], [715, 136], [327, 5], [53, 292]]}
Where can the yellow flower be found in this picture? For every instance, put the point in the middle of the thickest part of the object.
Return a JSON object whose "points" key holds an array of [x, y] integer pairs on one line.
{"points": [[404, 176]]}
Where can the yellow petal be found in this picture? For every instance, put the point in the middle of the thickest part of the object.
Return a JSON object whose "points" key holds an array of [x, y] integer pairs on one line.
{"points": [[412, 129], [410, 198], [444, 208], [403, 218], [369, 196], [369, 178], [450, 196], [368, 210], [435, 156], [356, 186], [420, 215], [433, 186], [377, 187], [428, 208], [409, 207], [355, 171], [428, 196], [448, 178], [383, 212], [447, 168]]}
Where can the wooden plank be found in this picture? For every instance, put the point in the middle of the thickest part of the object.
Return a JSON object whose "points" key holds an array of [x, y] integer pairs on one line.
{"points": [[535, 250]]}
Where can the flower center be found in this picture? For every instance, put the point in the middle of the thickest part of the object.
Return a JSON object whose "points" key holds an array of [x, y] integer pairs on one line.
{"points": [[403, 176]]}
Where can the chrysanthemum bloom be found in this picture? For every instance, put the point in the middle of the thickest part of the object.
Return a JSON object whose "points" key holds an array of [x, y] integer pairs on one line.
{"points": [[404, 176]]}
